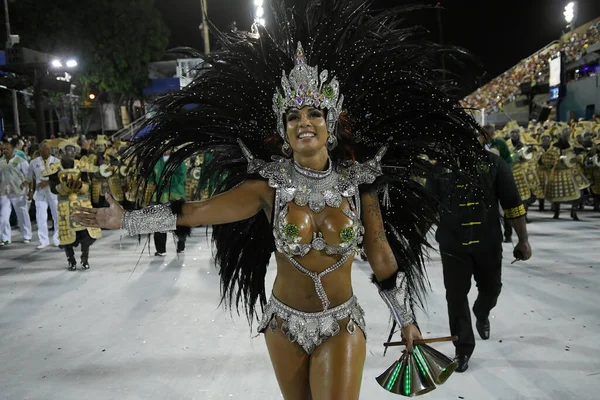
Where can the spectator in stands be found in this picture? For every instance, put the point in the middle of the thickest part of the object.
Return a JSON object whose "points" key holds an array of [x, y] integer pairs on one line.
{"points": [[536, 68]]}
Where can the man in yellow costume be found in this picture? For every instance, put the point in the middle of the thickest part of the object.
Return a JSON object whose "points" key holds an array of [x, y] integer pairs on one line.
{"points": [[106, 177], [545, 141], [566, 179], [69, 181], [585, 148], [523, 165], [593, 161], [192, 181], [112, 157]]}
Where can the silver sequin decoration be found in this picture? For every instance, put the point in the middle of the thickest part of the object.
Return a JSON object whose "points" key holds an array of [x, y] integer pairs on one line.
{"points": [[396, 300], [158, 218], [309, 330], [295, 184]]}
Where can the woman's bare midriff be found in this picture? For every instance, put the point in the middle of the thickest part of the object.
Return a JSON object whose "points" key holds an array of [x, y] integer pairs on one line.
{"points": [[297, 290]]}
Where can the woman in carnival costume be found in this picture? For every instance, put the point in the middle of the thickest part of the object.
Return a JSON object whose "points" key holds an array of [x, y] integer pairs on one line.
{"points": [[316, 163]]}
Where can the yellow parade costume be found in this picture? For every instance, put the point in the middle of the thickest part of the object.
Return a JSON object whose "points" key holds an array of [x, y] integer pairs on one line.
{"points": [[593, 163], [106, 178], [543, 170], [72, 193], [566, 179], [67, 180], [192, 182], [525, 154]]}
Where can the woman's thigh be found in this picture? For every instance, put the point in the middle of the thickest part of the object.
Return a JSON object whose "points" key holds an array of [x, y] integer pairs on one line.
{"points": [[291, 365], [336, 366]]}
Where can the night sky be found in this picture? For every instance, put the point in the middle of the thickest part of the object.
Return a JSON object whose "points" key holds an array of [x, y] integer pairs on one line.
{"points": [[500, 33]]}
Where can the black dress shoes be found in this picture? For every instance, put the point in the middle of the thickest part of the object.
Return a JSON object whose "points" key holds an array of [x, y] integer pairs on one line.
{"points": [[483, 327], [463, 362]]}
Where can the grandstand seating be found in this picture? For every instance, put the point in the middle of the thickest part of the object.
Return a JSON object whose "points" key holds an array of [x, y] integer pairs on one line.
{"points": [[535, 68]]}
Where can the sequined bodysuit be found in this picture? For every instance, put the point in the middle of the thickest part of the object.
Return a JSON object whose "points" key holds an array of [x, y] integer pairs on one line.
{"points": [[317, 190]]}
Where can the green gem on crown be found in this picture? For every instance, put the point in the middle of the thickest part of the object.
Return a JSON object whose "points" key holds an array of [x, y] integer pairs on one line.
{"points": [[328, 92], [347, 235], [291, 231]]}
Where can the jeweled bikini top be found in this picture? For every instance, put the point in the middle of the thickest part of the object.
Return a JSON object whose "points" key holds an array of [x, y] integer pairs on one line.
{"points": [[322, 192], [315, 189]]}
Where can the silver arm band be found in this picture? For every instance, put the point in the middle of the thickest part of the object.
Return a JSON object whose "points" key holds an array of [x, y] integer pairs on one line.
{"points": [[396, 301], [158, 218]]}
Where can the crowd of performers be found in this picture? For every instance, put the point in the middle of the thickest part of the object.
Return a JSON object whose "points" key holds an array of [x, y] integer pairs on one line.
{"points": [[553, 162], [62, 176], [342, 140]]}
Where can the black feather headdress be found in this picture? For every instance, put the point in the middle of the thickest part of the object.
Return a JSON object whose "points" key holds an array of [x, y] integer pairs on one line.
{"points": [[394, 94]]}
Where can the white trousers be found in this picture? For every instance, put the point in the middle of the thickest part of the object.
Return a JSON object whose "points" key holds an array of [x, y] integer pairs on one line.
{"points": [[19, 202], [41, 215]]}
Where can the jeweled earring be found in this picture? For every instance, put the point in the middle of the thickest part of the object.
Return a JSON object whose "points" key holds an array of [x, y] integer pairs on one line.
{"points": [[286, 149], [331, 142]]}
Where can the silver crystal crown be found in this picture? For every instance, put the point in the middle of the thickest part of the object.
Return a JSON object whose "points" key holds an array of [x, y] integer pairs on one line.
{"points": [[306, 87]]}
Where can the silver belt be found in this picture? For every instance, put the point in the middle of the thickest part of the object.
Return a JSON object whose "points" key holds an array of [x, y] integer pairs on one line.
{"points": [[309, 330]]}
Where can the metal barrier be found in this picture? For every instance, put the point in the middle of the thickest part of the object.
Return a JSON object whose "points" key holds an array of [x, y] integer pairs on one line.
{"points": [[128, 132]]}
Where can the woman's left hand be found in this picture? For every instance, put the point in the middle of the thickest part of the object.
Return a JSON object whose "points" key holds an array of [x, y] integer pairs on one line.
{"points": [[410, 333]]}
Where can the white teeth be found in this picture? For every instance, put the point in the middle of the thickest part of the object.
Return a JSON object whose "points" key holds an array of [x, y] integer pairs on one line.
{"points": [[304, 135]]}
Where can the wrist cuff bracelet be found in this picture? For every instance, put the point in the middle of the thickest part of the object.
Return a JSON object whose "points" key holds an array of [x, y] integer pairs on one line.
{"points": [[158, 218], [393, 293]]}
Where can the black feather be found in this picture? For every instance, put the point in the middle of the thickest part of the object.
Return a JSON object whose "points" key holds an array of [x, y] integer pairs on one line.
{"points": [[394, 92]]}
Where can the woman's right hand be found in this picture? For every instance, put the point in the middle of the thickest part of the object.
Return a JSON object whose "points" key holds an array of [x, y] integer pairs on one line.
{"points": [[106, 218]]}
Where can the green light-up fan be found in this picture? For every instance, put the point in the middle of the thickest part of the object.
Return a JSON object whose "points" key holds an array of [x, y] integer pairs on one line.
{"points": [[417, 373]]}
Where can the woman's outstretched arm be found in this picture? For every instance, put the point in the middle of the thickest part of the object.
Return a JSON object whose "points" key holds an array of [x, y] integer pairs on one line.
{"points": [[237, 204]]}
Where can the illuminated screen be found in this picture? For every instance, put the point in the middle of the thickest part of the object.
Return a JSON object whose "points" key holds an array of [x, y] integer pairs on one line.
{"points": [[555, 71], [554, 93]]}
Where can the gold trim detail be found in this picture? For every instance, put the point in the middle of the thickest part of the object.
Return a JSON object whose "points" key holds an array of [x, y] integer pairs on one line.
{"points": [[469, 204], [515, 212]]}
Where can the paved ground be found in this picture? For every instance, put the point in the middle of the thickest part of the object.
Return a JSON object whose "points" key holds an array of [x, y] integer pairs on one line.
{"points": [[156, 331]]}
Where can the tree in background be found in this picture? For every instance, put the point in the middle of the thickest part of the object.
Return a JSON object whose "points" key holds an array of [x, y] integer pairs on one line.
{"points": [[113, 41]]}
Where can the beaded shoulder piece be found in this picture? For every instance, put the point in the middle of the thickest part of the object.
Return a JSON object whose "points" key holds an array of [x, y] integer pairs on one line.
{"points": [[316, 189]]}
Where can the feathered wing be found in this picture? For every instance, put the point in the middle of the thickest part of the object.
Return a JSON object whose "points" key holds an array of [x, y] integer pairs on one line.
{"points": [[394, 94]]}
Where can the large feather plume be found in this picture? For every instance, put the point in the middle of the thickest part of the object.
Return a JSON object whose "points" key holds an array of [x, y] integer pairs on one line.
{"points": [[394, 93]]}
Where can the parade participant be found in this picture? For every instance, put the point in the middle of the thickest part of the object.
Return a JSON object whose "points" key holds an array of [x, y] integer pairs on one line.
{"points": [[13, 192], [99, 182], [172, 189], [68, 180], [582, 145], [18, 149], [500, 148], [593, 161], [331, 191], [114, 181], [85, 146], [210, 181], [542, 169], [39, 190], [192, 181], [470, 242], [565, 180], [522, 167]]}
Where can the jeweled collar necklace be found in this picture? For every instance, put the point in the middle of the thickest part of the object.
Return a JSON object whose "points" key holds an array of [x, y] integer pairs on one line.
{"points": [[312, 173]]}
